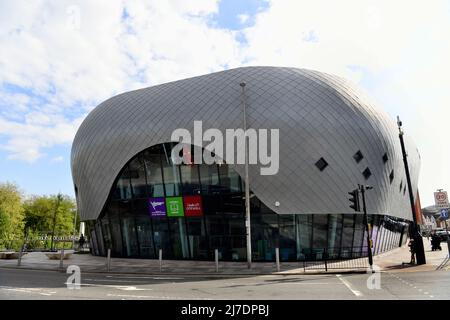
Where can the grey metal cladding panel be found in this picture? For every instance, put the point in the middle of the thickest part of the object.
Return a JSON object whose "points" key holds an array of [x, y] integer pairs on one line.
{"points": [[319, 115]]}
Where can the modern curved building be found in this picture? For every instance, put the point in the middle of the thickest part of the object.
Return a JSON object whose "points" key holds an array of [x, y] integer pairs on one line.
{"points": [[136, 199]]}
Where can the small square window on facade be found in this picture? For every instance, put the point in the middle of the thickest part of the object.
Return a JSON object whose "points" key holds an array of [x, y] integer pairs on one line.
{"points": [[321, 164], [366, 173], [358, 156], [391, 176], [385, 158]]}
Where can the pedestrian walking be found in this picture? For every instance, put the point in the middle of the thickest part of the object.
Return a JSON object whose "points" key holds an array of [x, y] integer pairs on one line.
{"points": [[81, 242], [412, 249]]}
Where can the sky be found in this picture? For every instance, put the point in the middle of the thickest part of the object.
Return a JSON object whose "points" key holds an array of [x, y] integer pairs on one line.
{"points": [[59, 59]]}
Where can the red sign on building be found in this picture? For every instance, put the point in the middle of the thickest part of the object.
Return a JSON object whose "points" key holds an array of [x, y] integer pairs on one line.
{"points": [[193, 206]]}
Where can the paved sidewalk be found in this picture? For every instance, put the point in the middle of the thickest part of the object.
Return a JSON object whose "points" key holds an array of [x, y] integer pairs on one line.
{"points": [[389, 261]]}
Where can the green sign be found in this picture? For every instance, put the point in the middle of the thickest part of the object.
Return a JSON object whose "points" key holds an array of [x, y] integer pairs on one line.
{"points": [[174, 206]]}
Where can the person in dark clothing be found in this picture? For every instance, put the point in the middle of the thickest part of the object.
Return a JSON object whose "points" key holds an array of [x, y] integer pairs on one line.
{"points": [[412, 249], [81, 241], [435, 242]]}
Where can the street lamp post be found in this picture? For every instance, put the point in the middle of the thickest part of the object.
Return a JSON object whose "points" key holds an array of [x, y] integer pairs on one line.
{"points": [[418, 241], [58, 201], [247, 186]]}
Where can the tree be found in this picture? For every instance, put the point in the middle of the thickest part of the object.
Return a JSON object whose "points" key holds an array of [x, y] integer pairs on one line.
{"points": [[39, 213], [11, 213]]}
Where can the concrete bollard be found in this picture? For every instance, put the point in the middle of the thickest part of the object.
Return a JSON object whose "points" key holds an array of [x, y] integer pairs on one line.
{"points": [[277, 257], [108, 261], [61, 260], [216, 259], [160, 260]]}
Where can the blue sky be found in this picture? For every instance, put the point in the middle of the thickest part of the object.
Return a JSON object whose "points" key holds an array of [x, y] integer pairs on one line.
{"points": [[59, 60]]}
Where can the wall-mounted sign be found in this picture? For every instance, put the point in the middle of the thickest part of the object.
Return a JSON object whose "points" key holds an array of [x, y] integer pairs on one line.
{"points": [[174, 206], [157, 207], [193, 206]]}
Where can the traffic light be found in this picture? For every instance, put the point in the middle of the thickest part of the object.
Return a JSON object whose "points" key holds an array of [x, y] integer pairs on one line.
{"points": [[354, 200]]}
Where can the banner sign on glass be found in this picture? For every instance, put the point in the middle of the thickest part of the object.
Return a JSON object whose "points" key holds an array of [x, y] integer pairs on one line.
{"points": [[193, 206], [174, 207], [157, 207]]}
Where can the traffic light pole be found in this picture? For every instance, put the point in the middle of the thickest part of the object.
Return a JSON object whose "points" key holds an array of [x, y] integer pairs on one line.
{"points": [[418, 241], [366, 223]]}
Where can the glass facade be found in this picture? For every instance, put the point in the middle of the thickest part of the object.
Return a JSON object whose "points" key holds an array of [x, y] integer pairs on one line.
{"points": [[189, 210]]}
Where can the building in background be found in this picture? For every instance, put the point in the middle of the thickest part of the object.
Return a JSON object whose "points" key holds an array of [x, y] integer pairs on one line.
{"points": [[135, 200]]}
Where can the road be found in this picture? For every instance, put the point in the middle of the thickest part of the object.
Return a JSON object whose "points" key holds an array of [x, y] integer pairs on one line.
{"points": [[36, 284]]}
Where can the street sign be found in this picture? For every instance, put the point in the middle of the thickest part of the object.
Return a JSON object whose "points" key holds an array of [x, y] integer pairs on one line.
{"points": [[444, 214], [441, 199]]}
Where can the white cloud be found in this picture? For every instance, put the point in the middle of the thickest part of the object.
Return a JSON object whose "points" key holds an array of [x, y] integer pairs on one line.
{"points": [[243, 18], [57, 159]]}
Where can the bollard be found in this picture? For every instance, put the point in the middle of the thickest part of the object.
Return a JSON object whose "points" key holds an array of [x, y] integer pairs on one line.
{"points": [[61, 260], [277, 257], [160, 260], [108, 261], [216, 259], [19, 261]]}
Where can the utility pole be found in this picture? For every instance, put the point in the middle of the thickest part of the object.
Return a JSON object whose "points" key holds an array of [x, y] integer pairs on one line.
{"points": [[366, 222], [355, 205], [247, 186], [418, 241], [58, 201]]}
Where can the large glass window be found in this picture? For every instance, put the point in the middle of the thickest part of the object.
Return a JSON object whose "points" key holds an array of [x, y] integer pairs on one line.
{"points": [[152, 161], [264, 236], [190, 179], [320, 229], [358, 235], [303, 236], [209, 178], [171, 173], [178, 238], [129, 236], [286, 225], [198, 242], [334, 235], [123, 187], [137, 177], [347, 236], [161, 237]]}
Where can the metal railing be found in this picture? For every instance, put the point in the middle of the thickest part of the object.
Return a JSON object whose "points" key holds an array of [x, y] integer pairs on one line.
{"points": [[341, 258]]}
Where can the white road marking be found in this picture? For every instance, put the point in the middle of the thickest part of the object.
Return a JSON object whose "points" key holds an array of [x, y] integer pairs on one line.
{"points": [[40, 291], [110, 280], [125, 288], [155, 278], [349, 286], [154, 297]]}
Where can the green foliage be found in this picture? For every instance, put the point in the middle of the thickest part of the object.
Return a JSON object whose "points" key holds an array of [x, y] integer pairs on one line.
{"points": [[41, 212], [11, 212], [34, 218]]}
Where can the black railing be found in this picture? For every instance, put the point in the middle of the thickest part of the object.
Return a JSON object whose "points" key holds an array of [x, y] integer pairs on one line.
{"points": [[338, 258]]}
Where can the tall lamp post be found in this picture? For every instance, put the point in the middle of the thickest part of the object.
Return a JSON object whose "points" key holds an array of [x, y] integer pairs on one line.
{"points": [[247, 187], [418, 241], [58, 201]]}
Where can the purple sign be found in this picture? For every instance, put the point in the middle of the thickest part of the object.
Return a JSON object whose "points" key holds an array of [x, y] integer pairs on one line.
{"points": [[157, 207]]}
